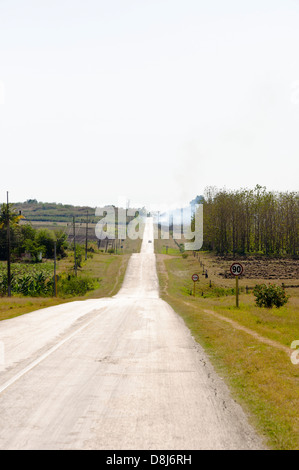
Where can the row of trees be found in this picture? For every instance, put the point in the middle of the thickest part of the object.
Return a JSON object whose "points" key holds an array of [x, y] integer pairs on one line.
{"points": [[36, 280], [251, 221], [26, 239]]}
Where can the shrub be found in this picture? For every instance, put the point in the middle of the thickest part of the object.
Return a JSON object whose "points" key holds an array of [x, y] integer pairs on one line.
{"points": [[46, 238], [270, 296], [184, 255], [73, 285]]}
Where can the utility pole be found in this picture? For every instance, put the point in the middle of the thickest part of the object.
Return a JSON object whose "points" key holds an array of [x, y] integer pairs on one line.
{"points": [[8, 252], [75, 257], [55, 277], [86, 237]]}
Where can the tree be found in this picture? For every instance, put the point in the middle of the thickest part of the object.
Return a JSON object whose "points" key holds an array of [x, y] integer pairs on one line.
{"points": [[32, 247], [46, 238], [61, 243], [247, 221], [8, 214]]}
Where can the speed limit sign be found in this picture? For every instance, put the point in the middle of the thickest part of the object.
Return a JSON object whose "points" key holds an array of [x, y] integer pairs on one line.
{"points": [[195, 278], [236, 269]]}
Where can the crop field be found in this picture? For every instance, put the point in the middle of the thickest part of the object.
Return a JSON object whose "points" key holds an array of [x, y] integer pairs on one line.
{"points": [[29, 280], [32, 284]]}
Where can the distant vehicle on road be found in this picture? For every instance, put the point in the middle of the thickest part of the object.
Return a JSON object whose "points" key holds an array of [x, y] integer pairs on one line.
{"points": [[150, 241]]}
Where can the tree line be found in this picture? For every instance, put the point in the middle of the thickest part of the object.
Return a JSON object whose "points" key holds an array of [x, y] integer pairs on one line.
{"points": [[251, 221], [26, 239]]}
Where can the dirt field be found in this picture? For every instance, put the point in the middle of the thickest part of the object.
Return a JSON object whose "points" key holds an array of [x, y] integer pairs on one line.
{"points": [[259, 267], [256, 268]]}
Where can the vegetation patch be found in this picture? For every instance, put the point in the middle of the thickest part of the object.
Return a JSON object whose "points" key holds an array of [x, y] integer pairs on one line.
{"points": [[71, 286], [251, 221], [270, 296], [248, 346], [28, 280]]}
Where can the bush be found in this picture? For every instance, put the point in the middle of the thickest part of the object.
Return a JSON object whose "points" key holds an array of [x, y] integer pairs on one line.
{"points": [[184, 255], [73, 285], [46, 238], [270, 296]]}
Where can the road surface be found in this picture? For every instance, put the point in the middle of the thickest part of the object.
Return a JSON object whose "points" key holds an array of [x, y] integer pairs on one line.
{"points": [[115, 373]]}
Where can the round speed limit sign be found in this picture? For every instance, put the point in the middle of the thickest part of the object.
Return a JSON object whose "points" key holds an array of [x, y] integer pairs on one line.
{"points": [[195, 277], [236, 269]]}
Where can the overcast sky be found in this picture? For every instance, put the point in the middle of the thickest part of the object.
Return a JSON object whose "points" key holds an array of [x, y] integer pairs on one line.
{"points": [[147, 100]]}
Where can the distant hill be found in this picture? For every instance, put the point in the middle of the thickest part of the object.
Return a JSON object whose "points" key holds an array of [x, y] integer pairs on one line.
{"points": [[33, 210]]}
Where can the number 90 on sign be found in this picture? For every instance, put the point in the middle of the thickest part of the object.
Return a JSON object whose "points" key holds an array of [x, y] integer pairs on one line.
{"points": [[236, 269]]}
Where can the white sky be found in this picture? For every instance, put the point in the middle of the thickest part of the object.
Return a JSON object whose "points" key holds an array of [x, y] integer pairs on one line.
{"points": [[147, 100]]}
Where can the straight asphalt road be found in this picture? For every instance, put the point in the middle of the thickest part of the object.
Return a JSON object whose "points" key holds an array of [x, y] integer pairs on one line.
{"points": [[115, 373]]}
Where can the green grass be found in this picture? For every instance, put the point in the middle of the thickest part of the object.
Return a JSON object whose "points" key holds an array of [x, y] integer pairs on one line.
{"points": [[107, 269], [261, 377], [167, 246], [110, 268], [15, 306]]}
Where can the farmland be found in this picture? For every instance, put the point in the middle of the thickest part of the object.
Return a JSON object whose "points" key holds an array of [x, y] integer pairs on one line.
{"points": [[46, 238], [33, 287], [28, 280]]}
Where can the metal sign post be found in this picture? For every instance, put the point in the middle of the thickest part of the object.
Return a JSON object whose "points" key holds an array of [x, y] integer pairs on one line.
{"points": [[195, 278], [237, 270], [237, 291]]}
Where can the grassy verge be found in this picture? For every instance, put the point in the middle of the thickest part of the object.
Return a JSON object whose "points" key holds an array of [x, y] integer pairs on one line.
{"points": [[249, 347], [107, 269]]}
